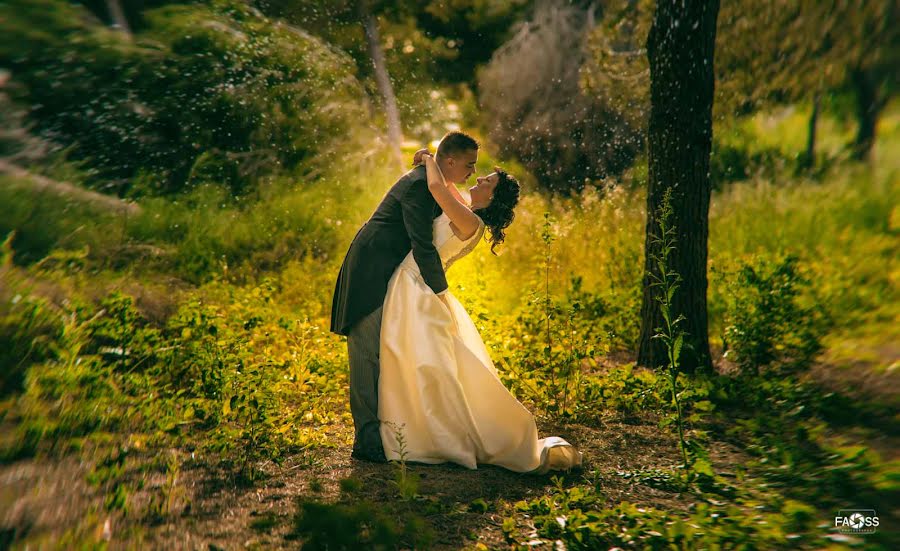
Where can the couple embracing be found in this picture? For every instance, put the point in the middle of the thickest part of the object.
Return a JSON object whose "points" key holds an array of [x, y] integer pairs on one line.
{"points": [[418, 367]]}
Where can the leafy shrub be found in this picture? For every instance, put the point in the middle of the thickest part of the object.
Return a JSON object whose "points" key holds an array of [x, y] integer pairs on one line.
{"points": [[212, 92], [71, 394], [578, 518], [730, 163], [233, 373], [358, 525], [28, 326], [767, 323], [121, 334], [556, 340]]}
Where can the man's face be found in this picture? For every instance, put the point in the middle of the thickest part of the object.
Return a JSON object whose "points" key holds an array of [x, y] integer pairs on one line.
{"points": [[460, 166]]}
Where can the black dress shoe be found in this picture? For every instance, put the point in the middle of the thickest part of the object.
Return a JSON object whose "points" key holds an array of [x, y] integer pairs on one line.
{"points": [[373, 457]]}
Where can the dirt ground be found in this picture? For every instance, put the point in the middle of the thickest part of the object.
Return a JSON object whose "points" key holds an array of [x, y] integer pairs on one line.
{"points": [[48, 503]]}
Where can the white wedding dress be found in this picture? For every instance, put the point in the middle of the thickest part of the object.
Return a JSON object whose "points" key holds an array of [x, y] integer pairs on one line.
{"points": [[438, 387]]}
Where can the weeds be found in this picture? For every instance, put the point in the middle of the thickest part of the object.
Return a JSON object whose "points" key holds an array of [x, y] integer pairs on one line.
{"points": [[162, 504], [407, 483], [766, 324], [666, 283]]}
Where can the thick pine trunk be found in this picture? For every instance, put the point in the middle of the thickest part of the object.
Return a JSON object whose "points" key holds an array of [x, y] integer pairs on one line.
{"points": [[867, 107], [395, 133], [680, 49]]}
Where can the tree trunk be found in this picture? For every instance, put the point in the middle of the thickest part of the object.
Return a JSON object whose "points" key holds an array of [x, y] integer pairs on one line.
{"points": [[395, 133], [867, 108], [117, 15], [680, 48], [809, 157]]}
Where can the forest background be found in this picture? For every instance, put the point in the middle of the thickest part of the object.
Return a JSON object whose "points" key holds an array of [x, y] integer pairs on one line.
{"points": [[179, 182]]}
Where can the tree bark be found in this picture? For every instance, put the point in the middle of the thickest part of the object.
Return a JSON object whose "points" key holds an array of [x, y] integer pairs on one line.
{"points": [[680, 48], [809, 157], [867, 108], [395, 132], [117, 15]]}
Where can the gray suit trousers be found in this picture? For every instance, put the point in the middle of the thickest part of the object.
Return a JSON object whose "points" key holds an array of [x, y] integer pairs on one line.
{"points": [[363, 344]]}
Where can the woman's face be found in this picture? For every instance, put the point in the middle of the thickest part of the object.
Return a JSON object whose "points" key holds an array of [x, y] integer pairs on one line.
{"points": [[483, 191]]}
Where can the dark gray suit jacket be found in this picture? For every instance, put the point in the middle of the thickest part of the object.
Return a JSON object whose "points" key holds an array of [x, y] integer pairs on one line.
{"points": [[402, 222]]}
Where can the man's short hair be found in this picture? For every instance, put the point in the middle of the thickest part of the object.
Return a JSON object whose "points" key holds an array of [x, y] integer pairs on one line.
{"points": [[456, 142]]}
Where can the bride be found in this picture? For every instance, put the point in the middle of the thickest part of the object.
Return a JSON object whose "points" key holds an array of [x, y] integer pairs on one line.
{"points": [[439, 396]]}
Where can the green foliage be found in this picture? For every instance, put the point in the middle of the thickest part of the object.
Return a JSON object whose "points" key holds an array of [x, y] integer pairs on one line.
{"points": [[748, 512], [570, 516], [438, 40], [357, 525], [615, 68], [70, 394], [122, 335], [769, 53], [248, 377], [595, 262], [767, 325], [786, 433], [201, 236], [556, 340], [261, 97], [241, 380], [625, 389], [730, 163], [28, 327]]}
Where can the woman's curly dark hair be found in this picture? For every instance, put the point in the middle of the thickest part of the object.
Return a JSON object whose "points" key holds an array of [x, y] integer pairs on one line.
{"points": [[499, 214]]}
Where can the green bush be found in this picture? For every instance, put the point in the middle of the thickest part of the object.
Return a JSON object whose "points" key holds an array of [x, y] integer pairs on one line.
{"points": [[233, 372], [767, 323], [202, 235], [730, 163], [212, 92], [356, 526], [28, 327], [44, 221]]}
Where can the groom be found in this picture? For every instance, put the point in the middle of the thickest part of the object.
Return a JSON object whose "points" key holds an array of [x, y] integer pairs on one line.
{"points": [[402, 222]]}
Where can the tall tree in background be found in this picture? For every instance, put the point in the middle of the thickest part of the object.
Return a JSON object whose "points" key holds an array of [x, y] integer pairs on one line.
{"points": [[432, 49], [680, 48], [768, 53], [117, 14], [786, 51], [870, 46], [354, 26], [392, 114]]}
